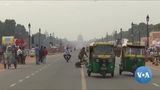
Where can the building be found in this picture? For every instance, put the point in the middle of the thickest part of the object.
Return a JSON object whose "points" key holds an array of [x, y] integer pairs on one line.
{"points": [[144, 40], [154, 38]]}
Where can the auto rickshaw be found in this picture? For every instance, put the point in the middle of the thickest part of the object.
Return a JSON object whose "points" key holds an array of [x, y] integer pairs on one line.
{"points": [[132, 57], [101, 58]]}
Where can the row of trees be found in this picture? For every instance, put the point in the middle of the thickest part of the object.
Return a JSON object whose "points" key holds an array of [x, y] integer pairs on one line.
{"points": [[139, 30], [10, 28]]}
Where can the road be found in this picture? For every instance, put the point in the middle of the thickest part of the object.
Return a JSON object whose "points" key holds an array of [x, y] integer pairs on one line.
{"points": [[57, 74]]}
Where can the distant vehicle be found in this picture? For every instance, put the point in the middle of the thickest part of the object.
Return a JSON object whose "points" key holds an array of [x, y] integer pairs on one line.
{"points": [[32, 52]]}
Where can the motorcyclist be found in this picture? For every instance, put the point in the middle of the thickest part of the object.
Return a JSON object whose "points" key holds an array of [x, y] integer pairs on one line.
{"points": [[82, 54], [67, 54]]}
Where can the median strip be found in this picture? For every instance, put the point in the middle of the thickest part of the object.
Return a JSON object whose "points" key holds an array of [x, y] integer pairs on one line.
{"points": [[84, 85]]}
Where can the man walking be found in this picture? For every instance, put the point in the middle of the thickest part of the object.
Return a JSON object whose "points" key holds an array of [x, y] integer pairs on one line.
{"points": [[37, 50], [41, 56], [45, 53]]}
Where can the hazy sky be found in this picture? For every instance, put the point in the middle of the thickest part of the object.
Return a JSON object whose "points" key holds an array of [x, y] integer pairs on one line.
{"points": [[68, 19]]}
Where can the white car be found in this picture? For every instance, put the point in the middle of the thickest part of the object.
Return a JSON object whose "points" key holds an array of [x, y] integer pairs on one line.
{"points": [[32, 52]]}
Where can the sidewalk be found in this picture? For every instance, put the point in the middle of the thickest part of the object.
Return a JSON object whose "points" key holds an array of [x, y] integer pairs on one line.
{"points": [[29, 60], [152, 66], [1, 66]]}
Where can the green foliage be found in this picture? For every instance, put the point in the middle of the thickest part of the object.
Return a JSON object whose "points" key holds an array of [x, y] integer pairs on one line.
{"points": [[10, 28], [137, 28]]}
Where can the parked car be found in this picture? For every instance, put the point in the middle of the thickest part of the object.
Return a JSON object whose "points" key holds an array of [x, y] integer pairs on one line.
{"points": [[32, 52]]}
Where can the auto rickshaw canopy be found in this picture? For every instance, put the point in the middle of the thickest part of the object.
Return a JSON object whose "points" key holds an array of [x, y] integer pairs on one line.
{"points": [[133, 50], [140, 45], [100, 43]]}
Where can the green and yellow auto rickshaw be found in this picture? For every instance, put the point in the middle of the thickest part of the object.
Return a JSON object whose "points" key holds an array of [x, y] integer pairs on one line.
{"points": [[101, 58], [132, 57]]}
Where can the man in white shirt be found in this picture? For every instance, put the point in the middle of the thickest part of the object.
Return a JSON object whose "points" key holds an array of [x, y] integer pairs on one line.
{"points": [[67, 54]]}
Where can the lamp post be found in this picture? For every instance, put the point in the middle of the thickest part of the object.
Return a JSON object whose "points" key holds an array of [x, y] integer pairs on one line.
{"points": [[107, 37], [132, 32], [50, 40], [121, 36], [39, 36], [115, 36], [29, 37], [139, 37], [147, 19]]}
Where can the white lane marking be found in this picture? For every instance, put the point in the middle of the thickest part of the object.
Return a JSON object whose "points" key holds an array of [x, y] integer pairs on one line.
{"points": [[83, 80], [32, 74], [36, 71], [155, 84], [27, 77], [21, 80], [12, 85]]}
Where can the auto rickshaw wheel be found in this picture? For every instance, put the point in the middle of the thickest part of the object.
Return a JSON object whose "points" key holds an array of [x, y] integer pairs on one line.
{"points": [[103, 74], [133, 72], [112, 74], [120, 69], [120, 72], [89, 73]]}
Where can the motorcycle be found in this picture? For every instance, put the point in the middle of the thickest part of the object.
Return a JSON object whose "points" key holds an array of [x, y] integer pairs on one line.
{"points": [[80, 63], [67, 57]]}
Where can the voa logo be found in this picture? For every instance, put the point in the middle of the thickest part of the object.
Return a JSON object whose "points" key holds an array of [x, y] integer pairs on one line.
{"points": [[143, 75]]}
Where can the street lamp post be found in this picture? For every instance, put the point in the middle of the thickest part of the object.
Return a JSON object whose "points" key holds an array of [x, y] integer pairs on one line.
{"points": [[132, 33], [39, 36], [147, 19], [121, 36], [115, 35], [50, 40], [139, 37], [121, 33], [29, 37], [107, 37]]}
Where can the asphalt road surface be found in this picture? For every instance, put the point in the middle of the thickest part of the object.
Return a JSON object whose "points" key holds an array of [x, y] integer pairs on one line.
{"points": [[59, 75]]}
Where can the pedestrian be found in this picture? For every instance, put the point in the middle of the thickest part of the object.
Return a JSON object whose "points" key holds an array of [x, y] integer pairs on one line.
{"points": [[20, 55], [24, 53], [37, 52], [9, 57], [45, 53], [41, 54], [14, 54], [1, 53]]}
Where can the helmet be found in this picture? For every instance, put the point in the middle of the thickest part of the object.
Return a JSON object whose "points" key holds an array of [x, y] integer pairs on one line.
{"points": [[83, 48]]}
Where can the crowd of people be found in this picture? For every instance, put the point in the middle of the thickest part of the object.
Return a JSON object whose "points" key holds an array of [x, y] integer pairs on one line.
{"points": [[11, 54], [154, 53]]}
